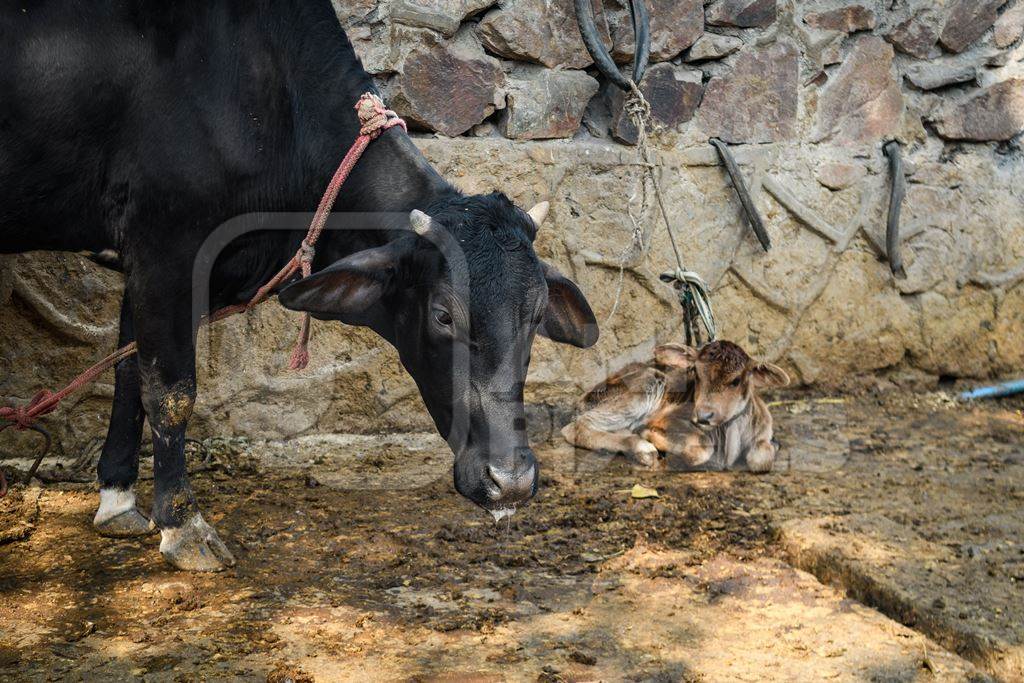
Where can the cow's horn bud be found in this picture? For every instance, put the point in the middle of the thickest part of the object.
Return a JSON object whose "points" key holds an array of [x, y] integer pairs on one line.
{"points": [[420, 222], [538, 213]]}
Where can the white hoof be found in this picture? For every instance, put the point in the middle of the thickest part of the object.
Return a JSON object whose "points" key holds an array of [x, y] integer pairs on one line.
{"points": [[645, 453], [760, 461], [195, 546], [118, 516]]}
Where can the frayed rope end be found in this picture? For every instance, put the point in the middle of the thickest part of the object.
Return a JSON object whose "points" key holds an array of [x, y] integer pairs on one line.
{"points": [[300, 357], [300, 354]]}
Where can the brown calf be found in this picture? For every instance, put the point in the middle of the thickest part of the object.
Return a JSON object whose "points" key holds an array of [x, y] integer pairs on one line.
{"points": [[701, 406]]}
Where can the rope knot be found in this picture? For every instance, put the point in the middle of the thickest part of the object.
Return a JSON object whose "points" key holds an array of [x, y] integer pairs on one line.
{"points": [[307, 252], [690, 288], [636, 105], [23, 418], [375, 117]]}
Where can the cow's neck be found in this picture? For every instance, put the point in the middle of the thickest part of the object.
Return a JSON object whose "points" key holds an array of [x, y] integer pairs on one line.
{"points": [[328, 80], [319, 80], [309, 94]]}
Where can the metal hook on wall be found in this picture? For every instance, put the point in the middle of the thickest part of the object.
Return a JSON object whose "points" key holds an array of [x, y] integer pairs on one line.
{"points": [[753, 217], [898, 189]]}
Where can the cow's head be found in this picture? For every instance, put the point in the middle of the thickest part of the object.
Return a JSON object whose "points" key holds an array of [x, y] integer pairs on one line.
{"points": [[724, 376], [461, 298]]}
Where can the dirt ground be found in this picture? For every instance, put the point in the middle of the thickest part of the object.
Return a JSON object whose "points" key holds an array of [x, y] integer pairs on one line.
{"points": [[886, 546]]}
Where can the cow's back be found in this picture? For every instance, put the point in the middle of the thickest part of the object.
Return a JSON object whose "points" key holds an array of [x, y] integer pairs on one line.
{"points": [[112, 112]]}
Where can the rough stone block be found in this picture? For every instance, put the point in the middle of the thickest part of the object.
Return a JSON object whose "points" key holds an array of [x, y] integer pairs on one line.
{"points": [[544, 103], [374, 47], [995, 114], [446, 86], [742, 13], [968, 20], [539, 31], [917, 29], [757, 100], [863, 102], [675, 26], [846, 19], [369, 33], [712, 46], [1009, 27], [838, 175], [444, 16], [932, 75], [351, 12], [673, 92]]}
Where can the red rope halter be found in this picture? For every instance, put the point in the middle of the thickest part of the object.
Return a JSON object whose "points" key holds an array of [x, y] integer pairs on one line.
{"points": [[374, 119]]}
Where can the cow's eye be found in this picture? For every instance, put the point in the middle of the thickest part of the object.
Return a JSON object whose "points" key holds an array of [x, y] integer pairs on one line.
{"points": [[736, 382], [443, 317]]}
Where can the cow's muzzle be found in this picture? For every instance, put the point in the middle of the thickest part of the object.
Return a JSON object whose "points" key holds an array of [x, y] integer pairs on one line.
{"points": [[499, 483]]}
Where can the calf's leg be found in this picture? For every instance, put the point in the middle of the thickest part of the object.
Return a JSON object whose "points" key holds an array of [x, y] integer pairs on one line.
{"points": [[167, 373], [762, 452], [579, 433], [118, 515], [694, 448], [761, 456]]}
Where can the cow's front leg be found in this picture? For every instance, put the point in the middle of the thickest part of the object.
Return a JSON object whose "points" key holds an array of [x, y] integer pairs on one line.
{"points": [[118, 515], [167, 372]]}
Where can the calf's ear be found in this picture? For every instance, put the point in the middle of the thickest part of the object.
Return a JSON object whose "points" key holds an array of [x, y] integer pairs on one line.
{"points": [[348, 288], [675, 356], [768, 375], [568, 318]]}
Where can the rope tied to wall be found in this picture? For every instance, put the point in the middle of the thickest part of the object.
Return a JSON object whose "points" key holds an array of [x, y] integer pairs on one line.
{"points": [[690, 288]]}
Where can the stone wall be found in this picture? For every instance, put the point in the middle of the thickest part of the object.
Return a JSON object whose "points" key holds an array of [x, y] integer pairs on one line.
{"points": [[806, 92]]}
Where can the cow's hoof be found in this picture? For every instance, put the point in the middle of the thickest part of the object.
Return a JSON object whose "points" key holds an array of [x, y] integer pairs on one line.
{"points": [[195, 547], [644, 453], [118, 517], [128, 524]]}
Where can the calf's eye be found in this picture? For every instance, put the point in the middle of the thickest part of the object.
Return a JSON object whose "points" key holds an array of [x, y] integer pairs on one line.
{"points": [[736, 382], [443, 318]]}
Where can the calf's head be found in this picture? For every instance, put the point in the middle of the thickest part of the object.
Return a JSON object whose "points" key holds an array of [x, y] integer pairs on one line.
{"points": [[461, 298], [724, 376]]}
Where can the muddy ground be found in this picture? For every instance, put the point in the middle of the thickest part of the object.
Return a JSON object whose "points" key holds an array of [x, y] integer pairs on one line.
{"points": [[886, 546]]}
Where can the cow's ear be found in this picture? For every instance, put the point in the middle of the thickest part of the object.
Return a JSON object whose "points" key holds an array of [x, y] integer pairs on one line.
{"points": [[675, 356], [348, 288], [568, 318], [768, 375]]}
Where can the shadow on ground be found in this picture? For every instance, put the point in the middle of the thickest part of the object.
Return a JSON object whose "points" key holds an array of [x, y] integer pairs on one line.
{"points": [[409, 582]]}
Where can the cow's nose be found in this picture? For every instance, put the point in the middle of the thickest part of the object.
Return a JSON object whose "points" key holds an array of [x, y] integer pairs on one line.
{"points": [[515, 484], [704, 419]]}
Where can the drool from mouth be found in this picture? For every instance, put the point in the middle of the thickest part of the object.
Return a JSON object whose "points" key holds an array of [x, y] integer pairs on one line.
{"points": [[502, 513]]}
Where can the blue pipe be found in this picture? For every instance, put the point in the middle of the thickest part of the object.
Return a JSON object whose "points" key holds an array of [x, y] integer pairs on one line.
{"points": [[995, 391]]}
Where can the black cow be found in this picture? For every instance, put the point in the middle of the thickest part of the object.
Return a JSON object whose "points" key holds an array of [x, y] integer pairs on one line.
{"points": [[141, 126]]}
